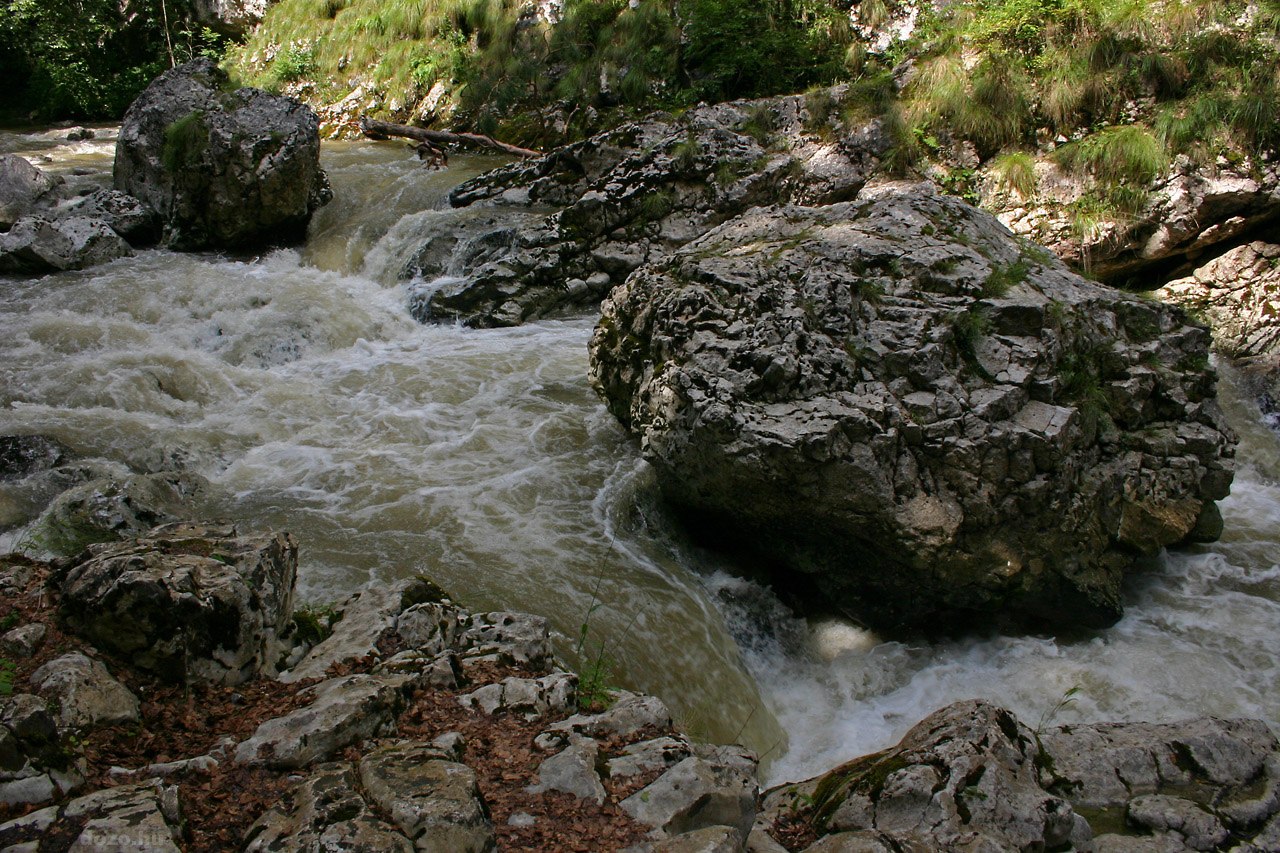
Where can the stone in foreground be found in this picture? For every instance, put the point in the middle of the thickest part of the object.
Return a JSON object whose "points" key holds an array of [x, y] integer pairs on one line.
{"points": [[186, 601], [972, 777], [224, 169], [896, 404]]}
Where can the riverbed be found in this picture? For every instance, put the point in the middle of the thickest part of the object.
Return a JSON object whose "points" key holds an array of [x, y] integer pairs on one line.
{"points": [[296, 383]]}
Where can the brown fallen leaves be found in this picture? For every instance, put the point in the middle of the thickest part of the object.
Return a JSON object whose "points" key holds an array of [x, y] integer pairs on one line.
{"points": [[219, 805]]}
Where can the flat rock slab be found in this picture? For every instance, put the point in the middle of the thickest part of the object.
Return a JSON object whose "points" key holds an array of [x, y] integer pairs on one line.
{"points": [[399, 798], [342, 711]]}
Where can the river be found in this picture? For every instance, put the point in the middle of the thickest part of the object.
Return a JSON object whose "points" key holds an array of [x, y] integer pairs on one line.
{"points": [[297, 384]]}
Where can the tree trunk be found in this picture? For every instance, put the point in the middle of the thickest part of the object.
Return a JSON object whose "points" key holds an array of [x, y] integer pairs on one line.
{"points": [[432, 142]]}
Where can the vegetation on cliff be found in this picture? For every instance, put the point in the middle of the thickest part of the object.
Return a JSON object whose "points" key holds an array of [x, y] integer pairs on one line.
{"points": [[88, 59]]}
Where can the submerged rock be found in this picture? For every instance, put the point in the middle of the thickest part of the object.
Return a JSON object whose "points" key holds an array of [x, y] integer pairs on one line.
{"points": [[107, 509], [928, 421], [229, 169]]}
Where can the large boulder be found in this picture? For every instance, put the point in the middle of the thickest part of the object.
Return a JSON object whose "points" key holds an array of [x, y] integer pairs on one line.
{"points": [[187, 602], [914, 415], [24, 188], [233, 169]]}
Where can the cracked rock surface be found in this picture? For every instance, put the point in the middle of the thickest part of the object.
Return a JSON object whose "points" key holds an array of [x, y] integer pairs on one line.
{"points": [[922, 418]]}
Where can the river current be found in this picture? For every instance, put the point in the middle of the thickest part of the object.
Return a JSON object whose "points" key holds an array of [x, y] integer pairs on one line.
{"points": [[297, 384]]}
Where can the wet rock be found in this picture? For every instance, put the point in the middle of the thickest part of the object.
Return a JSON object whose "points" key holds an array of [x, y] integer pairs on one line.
{"points": [[113, 508], [342, 711], [37, 244], [24, 188], [123, 214], [363, 619], [1161, 814], [87, 694], [714, 788], [23, 455], [233, 169], [622, 198], [188, 601], [921, 418]]}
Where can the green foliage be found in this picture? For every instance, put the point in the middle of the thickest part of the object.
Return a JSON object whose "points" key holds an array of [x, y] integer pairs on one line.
{"points": [[183, 142], [313, 624], [291, 63], [88, 59], [1015, 172], [819, 104], [7, 671], [1128, 154], [967, 329], [685, 153], [749, 48], [1003, 278], [760, 125]]}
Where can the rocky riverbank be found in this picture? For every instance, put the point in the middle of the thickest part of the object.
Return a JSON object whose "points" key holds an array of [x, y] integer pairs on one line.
{"points": [[399, 720]]}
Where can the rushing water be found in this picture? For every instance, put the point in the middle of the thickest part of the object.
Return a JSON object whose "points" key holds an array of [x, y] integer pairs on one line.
{"points": [[297, 385]]}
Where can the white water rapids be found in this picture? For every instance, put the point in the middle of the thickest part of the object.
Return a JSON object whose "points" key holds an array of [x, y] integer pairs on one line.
{"points": [[298, 385]]}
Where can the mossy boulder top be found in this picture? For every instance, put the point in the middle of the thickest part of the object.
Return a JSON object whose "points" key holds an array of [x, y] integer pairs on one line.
{"points": [[897, 406], [224, 168]]}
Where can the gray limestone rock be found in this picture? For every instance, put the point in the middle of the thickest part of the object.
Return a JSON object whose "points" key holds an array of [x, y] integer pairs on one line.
{"points": [[399, 798], [599, 208], [1239, 294], [648, 755], [529, 697], [699, 792], [229, 169], [363, 619], [187, 601], [124, 214], [126, 818], [342, 711], [435, 802], [37, 244], [86, 693], [630, 714], [572, 770], [111, 508], [920, 417], [971, 777], [513, 638], [24, 188], [23, 641]]}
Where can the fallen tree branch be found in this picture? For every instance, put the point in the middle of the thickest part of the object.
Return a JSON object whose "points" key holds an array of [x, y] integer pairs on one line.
{"points": [[436, 139]]}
